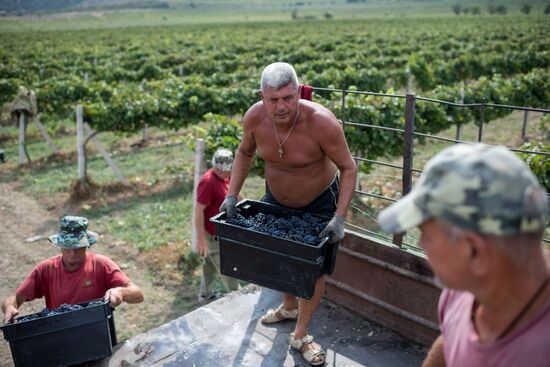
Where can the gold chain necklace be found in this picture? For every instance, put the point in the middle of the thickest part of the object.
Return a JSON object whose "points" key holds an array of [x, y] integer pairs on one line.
{"points": [[281, 152]]}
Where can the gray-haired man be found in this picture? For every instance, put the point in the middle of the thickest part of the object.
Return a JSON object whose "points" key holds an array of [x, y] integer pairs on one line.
{"points": [[481, 214], [211, 191], [303, 147]]}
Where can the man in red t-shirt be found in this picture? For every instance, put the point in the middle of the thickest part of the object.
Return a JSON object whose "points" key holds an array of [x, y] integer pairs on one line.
{"points": [[211, 192], [75, 276]]}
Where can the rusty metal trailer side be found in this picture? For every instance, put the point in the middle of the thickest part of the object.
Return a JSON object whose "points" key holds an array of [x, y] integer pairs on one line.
{"points": [[386, 284]]}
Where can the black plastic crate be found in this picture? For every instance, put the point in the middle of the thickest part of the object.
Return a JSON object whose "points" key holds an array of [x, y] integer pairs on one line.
{"points": [[273, 262], [64, 339]]}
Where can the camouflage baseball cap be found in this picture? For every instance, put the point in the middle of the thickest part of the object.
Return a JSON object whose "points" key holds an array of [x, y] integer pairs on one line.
{"points": [[73, 233], [223, 160], [475, 187]]}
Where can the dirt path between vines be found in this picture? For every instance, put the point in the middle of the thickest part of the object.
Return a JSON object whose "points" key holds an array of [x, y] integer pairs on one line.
{"points": [[22, 218]]}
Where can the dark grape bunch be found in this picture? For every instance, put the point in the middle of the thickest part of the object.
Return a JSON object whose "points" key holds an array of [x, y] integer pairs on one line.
{"points": [[305, 229], [61, 309]]}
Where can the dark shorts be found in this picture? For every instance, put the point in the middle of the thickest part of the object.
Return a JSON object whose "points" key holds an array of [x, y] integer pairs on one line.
{"points": [[325, 204]]}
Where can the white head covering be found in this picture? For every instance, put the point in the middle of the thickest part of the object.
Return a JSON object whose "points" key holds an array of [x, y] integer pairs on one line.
{"points": [[222, 160]]}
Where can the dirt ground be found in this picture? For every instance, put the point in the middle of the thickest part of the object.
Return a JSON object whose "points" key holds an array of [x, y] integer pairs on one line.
{"points": [[23, 219]]}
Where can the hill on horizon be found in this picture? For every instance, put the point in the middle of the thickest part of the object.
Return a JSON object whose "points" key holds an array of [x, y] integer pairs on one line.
{"points": [[20, 7]]}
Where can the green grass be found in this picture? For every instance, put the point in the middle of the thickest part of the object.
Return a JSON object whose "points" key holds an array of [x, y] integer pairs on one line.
{"points": [[36, 145], [138, 165], [146, 220], [156, 220]]}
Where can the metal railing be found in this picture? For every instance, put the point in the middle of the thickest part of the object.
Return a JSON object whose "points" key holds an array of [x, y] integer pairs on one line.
{"points": [[410, 133]]}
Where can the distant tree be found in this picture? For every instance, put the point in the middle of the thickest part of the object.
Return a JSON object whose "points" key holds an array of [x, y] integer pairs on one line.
{"points": [[327, 15], [547, 9], [492, 9], [525, 8], [475, 10], [457, 8], [295, 14], [465, 10], [501, 9]]}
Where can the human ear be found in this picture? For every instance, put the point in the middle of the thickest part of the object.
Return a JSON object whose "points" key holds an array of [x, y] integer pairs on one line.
{"points": [[473, 252], [478, 253]]}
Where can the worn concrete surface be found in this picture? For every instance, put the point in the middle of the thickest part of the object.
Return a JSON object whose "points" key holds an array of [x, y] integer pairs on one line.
{"points": [[228, 332]]}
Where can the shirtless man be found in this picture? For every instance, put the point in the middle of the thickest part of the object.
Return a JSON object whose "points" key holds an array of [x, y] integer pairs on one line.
{"points": [[303, 146]]}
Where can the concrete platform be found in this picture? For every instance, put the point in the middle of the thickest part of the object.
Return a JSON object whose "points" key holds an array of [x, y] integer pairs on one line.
{"points": [[227, 332]]}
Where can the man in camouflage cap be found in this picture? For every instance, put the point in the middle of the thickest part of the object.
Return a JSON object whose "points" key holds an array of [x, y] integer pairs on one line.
{"points": [[75, 276], [481, 215]]}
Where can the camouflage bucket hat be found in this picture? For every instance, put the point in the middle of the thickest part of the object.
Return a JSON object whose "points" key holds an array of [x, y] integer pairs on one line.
{"points": [[73, 233], [475, 187], [223, 160]]}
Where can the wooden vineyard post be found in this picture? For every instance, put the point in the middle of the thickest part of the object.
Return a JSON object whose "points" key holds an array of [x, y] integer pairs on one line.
{"points": [[145, 133], [84, 133], [80, 145], [145, 137], [459, 126], [21, 137], [199, 170], [45, 135], [524, 126], [407, 154], [409, 80], [106, 156]]}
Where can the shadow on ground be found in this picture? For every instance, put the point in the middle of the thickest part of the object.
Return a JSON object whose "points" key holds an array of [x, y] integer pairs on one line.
{"points": [[227, 332]]}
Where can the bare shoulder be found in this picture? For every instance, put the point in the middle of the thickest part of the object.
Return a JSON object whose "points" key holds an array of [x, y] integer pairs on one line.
{"points": [[254, 114], [319, 115]]}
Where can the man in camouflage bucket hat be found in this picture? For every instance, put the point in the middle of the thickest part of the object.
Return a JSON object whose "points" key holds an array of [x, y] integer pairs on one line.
{"points": [[481, 215], [75, 276], [74, 233]]}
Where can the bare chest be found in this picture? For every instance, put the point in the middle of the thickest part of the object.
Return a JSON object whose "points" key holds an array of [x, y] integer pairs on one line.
{"points": [[294, 148]]}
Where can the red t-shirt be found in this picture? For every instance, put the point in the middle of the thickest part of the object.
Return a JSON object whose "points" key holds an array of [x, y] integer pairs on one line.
{"points": [[211, 192], [51, 280]]}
